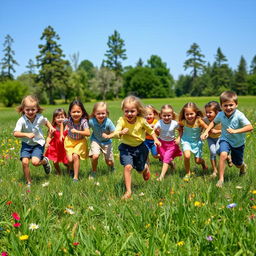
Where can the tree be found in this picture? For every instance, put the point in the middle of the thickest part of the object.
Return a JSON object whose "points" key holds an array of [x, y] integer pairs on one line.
{"points": [[115, 54], [220, 57], [139, 63], [240, 84], [53, 73], [31, 67], [88, 67], [196, 61], [8, 60], [253, 66], [74, 59]]}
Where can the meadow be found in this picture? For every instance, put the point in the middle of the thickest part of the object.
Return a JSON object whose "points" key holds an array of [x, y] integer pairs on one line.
{"points": [[172, 217]]}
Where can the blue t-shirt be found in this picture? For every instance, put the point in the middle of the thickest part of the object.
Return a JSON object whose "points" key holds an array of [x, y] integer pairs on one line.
{"points": [[106, 127], [236, 121]]}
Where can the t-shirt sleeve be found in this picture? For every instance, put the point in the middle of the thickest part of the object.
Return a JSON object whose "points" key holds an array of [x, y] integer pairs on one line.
{"points": [[243, 120], [111, 126], [42, 120], [217, 119], [85, 124], [19, 125], [157, 125], [90, 123]]}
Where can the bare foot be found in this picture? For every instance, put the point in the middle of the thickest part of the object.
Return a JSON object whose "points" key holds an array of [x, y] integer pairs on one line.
{"points": [[126, 195]]}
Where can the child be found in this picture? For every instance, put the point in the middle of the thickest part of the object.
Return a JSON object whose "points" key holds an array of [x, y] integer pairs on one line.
{"points": [[55, 150], [169, 148], [152, 117], [234, 126], [211, 110], [191, 123], [132, 128], [100, 123], [75, 143], [28, 128]]}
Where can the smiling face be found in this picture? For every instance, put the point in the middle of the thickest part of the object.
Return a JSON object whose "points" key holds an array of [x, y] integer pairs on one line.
{"points": [[150, 115], [30, 109], [190, 115], [210, 113], [167, 115], [100, 114], [76, 113], [229, 107], [59, 118], [130, 112]]}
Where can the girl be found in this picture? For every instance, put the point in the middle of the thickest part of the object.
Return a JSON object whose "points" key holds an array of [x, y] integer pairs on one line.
{"points": [[132, 128], [191, 124], [75, 143], [55, 150], [100, 123], [169, 148], [152, 117], [211, 110], [28, 128]]}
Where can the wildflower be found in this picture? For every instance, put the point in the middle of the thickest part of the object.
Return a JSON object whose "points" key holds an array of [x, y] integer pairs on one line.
{"points": [[160, 203], [253, 192], [4, 253], [45, 184], [198, 204], [76, 243], [209, 238], [141, 194], [24, 237], [147, 225], [33, 226], [252, 216], [254, 207], [28, 191], [60, 194], [97, 183], [16, 216], [239, 187], [91, 208], [231, 205], [9, 202], [180, 243], [17, 224], [69, 211]]}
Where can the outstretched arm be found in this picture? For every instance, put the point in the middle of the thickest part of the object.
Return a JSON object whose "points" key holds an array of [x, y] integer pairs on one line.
{"points": [[246, 128]]}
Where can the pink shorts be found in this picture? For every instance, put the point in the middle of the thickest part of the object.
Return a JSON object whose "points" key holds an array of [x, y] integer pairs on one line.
{"points": [[168, 151]]}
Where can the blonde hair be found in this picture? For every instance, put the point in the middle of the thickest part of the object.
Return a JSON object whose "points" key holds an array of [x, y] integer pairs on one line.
{"points": [[168, 106], [228, 96], [97, 105], [136, 102], [31, 98], [155, 111], [195, 108]]}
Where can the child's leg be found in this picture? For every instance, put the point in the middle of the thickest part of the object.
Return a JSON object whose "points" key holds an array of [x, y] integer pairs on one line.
{"points": [[223, 158], [186, 155], [214, 167], [164, 171], [202, 162], [76, 165], [57, 168], [94, 160], [128, 180], [25, 167]]}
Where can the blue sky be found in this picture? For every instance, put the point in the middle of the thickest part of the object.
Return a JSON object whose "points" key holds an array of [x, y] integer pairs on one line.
{"points": [[166, 28]]}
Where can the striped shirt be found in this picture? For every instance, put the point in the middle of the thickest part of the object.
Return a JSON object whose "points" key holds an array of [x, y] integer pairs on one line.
{"points": [[81, 126]]}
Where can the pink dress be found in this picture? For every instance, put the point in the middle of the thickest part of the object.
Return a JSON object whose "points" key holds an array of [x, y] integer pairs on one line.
{"points": [[56, 151]]}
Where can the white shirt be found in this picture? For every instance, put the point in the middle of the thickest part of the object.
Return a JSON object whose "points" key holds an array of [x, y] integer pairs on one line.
{"points": [[167, 131], [25, 125]]}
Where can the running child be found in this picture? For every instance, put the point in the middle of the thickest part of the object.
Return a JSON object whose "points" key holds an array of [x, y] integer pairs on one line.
{"points": [[234, 125], [100, 123], [55, 150], [75, 142], [191, 124], [28, 128], [169, 148], [132, 128]]}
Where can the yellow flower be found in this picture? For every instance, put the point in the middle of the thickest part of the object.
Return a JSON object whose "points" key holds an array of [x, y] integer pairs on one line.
{"points": [[24, 237], [160, 203], [254, 192], [254, 207], [180, 243], [147, 226], [198, 204]]}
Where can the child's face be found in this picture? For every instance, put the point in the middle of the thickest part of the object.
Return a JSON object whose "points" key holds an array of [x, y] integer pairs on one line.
{"points": [[76, 113], [100, 114], [229, 107], [130, 112], [150, 114], [166, 115], [30, 109], [210, 113], [59, 118], [190, 115]]}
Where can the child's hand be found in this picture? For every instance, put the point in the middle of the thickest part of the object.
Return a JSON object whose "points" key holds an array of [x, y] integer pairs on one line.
{"points": [[204, 136], [157, 143], [177, 141], [215, 131], [124, 131], [30, 135], [73, 130], [52, 130], [62, 138], [157, 131], [105, 136], [230, 130]]}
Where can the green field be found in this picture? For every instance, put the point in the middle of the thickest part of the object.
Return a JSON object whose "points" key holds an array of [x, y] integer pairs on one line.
{"points": [[88, 218]]}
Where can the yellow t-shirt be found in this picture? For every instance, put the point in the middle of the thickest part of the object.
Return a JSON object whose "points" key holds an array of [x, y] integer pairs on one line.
{"points": [[137, 131], [152, 124], [217, 127]]}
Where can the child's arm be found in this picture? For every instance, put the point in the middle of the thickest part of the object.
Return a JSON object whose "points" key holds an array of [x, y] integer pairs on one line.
{"points": [[180, 130], [50, 127], [202, 123], [206, 132], [29, 135], [115, 134], [85, 132], [246, 128], [156, 141], [48, 140]]}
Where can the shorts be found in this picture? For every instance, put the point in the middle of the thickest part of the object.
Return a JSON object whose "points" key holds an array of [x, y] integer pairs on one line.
{"points": [[237, 154], [106, 149], [29, 151], [151, 146], [78, 147], [214, 147], [134, 156], [168, 151]]}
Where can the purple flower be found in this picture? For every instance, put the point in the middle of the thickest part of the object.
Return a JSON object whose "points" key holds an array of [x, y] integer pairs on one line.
{"points": [[231, 205], [209, 238]]}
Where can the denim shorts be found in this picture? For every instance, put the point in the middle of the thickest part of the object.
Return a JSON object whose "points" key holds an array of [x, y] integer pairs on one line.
{"points": [[28, 151], [151, 146], [237, 154], [134, 156]]}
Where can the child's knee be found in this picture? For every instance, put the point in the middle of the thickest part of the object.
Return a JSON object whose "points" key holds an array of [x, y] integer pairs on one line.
{"points": [[35, 161], [198, 160], [128, 168], [25, 161], [186, 155], [109, 162], [95, 157], [223, 155], [75, 157]]}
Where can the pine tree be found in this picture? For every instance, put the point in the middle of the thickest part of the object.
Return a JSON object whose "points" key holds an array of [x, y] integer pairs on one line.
{"points": [[240, 85], [253, 66]]}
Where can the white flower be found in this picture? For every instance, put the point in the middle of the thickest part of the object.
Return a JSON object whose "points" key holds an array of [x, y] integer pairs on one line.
{"points": [[45, 184], [91, 208], [141, 194], [69, 211], [239, 187], [11, 148], [33, 226], [60, 193], [97, 183]]}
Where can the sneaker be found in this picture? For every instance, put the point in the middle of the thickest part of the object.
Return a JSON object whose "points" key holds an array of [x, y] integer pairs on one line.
{"points": [[47, 166], [229, 161], [146, 173], [92, 175], [219, 184], [71, 173], [243, 169]]}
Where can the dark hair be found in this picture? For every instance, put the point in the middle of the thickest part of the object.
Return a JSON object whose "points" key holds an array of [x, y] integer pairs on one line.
{"points": [[194, 107], [214, 105], [79, 104], [228, 96], [57, 112]]}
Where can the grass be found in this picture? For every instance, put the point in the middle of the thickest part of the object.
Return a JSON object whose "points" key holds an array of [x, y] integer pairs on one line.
{"points": [[169, 218]]}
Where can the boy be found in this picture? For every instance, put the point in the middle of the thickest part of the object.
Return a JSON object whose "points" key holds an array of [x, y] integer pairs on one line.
{"points": [[234, 126]]}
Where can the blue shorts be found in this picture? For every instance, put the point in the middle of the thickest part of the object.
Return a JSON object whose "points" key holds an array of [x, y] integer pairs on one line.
{"points": [[151, 146], [134, 156], [214, 147], [237, 154], [28, 151]]}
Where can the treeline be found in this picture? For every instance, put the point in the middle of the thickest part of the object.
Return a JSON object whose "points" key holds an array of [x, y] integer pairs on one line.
{"points": [[52, 76]]}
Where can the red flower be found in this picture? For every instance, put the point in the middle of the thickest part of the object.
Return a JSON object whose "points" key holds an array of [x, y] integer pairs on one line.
{"points": [[75, 243], [4, 253], [9, 202], [17, 224], [16, 216]]}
